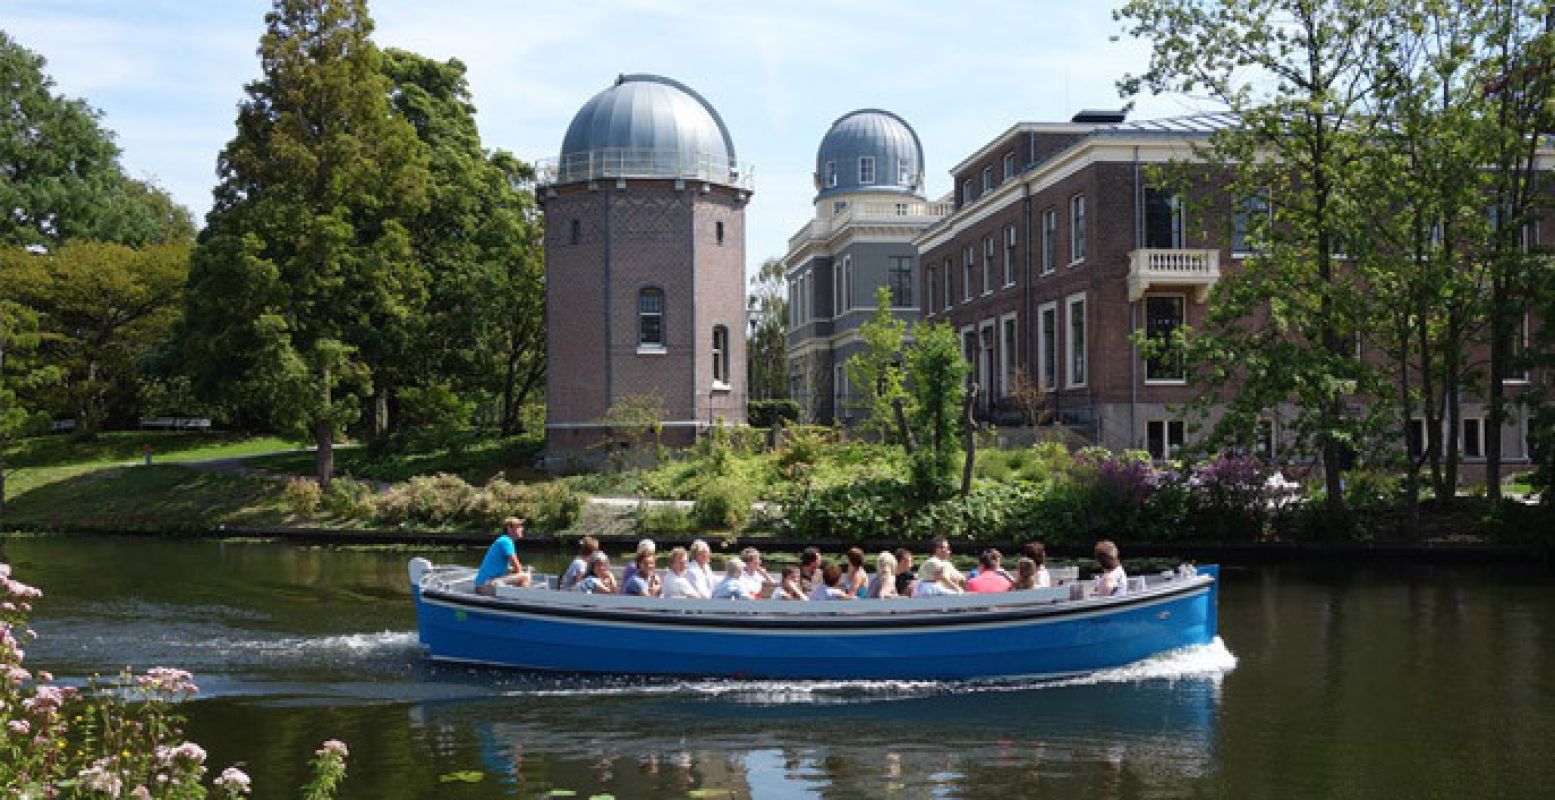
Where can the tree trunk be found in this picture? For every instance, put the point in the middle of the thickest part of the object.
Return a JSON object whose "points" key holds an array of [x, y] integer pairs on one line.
{"points": [[969, 440], [901, 425], [509, 408], [1496, 391], [324, 438]]}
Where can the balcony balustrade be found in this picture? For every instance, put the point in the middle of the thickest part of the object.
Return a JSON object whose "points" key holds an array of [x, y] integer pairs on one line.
{"points": [[1154, 269]]}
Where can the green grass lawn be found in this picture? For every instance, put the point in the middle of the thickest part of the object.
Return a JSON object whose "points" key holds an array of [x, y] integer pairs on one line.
{"points": [[43, 460], [478, 463], [161, 497]]}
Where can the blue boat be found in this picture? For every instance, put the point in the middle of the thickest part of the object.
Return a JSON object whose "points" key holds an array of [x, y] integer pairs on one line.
{"points": [[1036, 633]]}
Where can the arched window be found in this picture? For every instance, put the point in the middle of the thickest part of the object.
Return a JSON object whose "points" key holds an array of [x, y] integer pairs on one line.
{"points": [[650, 318], [720, 354]]}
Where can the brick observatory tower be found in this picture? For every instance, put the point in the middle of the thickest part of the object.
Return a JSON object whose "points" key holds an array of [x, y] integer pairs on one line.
{"points": [[644, 265]]}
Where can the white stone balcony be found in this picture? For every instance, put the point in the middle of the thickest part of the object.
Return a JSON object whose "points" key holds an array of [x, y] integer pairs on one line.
{"points": [[1154, 269]]}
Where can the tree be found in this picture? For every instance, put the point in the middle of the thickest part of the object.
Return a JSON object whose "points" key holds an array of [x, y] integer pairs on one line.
{"points": [[479, 238], [936, 373], [20, 371], [768, 347], [101, 308], [306, 275], [877, 376], [60, 178], [1297, 75]]}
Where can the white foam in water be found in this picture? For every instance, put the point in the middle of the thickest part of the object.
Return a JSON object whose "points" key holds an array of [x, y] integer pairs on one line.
{"points": [[1211, 661], [350, 643]]}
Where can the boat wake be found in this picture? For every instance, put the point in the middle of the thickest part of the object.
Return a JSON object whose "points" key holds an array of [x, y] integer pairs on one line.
{"points": [[1209, 662]]}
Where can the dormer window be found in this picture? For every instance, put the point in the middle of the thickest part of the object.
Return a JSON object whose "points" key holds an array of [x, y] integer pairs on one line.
{"points": [[904, 176], [866, 169], [987, 179], [829, 179], [1009, 165]]}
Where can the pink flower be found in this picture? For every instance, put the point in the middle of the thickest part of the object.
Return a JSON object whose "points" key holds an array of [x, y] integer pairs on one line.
{"points": [[167, 681], [15, 675], [140, 793], [98, 778], [188, 751], [45, 700], [333, 747], [19, 727], [235, 780], [44, 676]]}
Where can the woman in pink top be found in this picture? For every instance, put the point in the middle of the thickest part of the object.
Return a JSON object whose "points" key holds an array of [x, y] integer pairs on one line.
{"points": [[990, 578]]}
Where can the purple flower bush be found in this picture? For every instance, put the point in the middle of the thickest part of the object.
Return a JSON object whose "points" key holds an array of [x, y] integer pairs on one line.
{"points": [[119, 738]]}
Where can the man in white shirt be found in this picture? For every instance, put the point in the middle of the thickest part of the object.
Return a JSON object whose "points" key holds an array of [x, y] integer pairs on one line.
{"points": [[732, 587], [677, 581], [754, 576], [700, 571]]}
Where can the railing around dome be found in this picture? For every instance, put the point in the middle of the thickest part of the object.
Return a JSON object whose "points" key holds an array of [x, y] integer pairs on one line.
{"points": [[607, 163], [916, 212]]}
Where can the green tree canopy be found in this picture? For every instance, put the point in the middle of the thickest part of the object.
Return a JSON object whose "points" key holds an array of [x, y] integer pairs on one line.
{"points": [[306, 275]]}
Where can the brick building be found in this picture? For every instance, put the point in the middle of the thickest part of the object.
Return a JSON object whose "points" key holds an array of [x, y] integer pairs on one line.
{"points": [[869, 206], [645, 265], [1059, 249]]}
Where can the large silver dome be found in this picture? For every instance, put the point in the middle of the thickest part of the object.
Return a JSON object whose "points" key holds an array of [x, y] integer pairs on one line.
{"points": [[647, 126], [869, 150]]}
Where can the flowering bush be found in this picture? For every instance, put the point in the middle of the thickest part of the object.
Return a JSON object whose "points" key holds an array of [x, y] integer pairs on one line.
{"points": [[111, 738], [444, 499]]}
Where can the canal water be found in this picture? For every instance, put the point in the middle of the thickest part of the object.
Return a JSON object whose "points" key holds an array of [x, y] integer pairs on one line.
{"points": [[1330, 681]]}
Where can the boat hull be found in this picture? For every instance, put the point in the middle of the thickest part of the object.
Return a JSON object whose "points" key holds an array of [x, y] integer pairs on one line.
{"points": [[1045, 641]]}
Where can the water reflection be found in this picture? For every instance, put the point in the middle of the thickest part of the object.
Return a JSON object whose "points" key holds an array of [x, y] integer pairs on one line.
{"points": [[863, 741]]}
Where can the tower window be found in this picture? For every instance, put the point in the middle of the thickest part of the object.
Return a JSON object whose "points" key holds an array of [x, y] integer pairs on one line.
{"points": [[718, 228], [866, 169], [720, 354], [577, 232], [650, 318], [904, 172], [830, 173]]}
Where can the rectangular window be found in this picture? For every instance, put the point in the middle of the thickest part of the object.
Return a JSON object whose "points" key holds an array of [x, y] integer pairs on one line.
{"points": [[1473, 441], [966, 191], [1007, 354], [1077, 341], [1415, 439], [1009, 165], [950, 279], [1047, 346], [968, 266], [987, 179], [1165, 438], [1265, 440], [830, 178], [650, 318], [720, 355], [1249, 224], [1076, 229], [577, 232], [988, 261], [969, 352], [1009, 256], [1163, 219], [866, 169], [1518, 352], [899, 279], [1163, 315], [985, 366], [836, 288], [904, 173], [929, 290], [1049, 240]]}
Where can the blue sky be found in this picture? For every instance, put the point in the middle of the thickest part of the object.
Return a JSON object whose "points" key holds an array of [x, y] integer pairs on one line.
{"points": [[168, 74]]}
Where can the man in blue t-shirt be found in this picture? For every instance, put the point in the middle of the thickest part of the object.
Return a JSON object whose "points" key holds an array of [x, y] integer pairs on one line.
{"points": [[501, 567]]}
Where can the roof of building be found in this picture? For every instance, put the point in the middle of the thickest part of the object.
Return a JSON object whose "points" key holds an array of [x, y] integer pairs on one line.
{"points": [[872, 133], [647, 126]]}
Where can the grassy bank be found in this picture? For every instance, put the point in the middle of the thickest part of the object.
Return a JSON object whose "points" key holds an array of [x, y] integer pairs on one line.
{"points": [[44, 460], [163, 497]]}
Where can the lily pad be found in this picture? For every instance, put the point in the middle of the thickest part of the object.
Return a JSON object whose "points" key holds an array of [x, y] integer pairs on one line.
{"points": [[463, 776]]}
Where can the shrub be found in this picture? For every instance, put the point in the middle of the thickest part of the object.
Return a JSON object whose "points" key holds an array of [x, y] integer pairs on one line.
{"points": [[722, 503], [302, 496], [766, 413], [551, 506], [429, 499], [661, 520], [557, 506], [349, 498], [870, 509]]}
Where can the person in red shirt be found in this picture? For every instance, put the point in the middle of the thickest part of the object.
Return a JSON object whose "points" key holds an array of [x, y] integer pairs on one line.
{"points": [[990, 576]]}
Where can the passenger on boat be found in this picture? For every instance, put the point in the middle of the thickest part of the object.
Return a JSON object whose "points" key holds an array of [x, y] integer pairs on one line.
{"points": [[949, 571], [905, 577], [501, 566], [755, 577], [600, 579], [732, 587], [587, 547], [991, 577], [884, 583], [1112, 581], [700, 570], [645, 580], [932, 581], [789, 588], [1038, 554], [677, 581], [809, 569], [855, 580], [1025, 574], [831, 586], [644, 546]]}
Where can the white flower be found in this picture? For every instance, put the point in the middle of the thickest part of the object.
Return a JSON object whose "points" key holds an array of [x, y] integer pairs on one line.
{"points": [[235, 780]]}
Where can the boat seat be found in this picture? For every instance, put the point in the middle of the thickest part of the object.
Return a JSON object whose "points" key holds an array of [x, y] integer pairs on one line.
{"points": [[1063, 574], [1136, 585]]}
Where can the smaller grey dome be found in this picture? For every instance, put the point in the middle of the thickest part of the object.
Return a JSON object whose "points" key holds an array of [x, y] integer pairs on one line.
{"points": [[647, 126], [869, 150]]}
